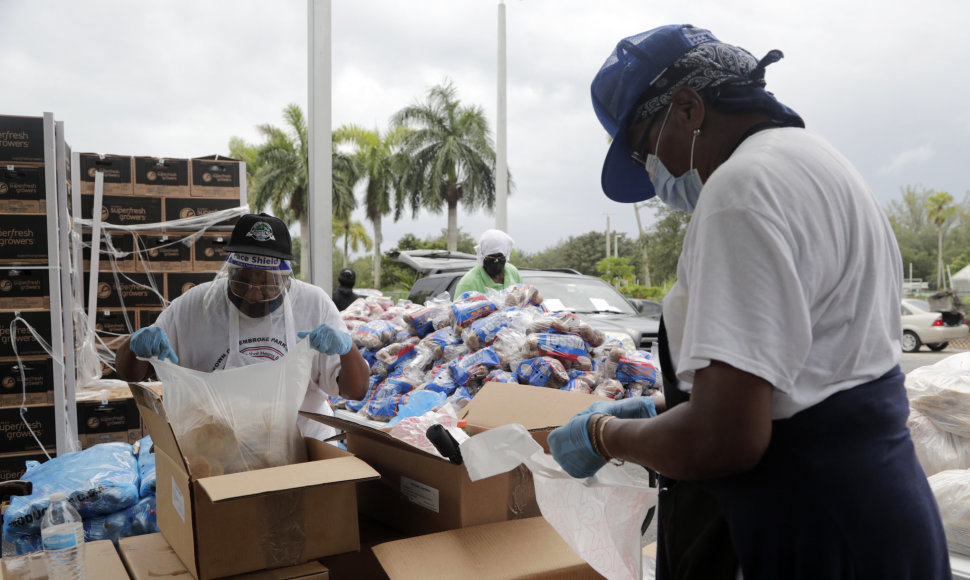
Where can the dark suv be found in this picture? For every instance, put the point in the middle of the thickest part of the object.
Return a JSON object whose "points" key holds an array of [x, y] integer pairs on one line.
{"points": [[595, 301]]}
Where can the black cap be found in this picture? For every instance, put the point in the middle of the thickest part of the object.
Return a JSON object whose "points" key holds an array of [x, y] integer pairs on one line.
{"points": [[347, 277], [261, 235]]}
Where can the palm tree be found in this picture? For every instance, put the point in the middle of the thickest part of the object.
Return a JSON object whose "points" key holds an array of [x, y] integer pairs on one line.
{"points": [[450, 155], [940, 210], [354, 235], [376, 157]]}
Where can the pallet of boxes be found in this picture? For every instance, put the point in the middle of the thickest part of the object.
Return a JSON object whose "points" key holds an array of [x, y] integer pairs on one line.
{"points": [[25, 289], [144, 261]]}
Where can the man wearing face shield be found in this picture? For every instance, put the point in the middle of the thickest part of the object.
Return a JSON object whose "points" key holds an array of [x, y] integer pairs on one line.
{"points": [[783, 450], [493, 269], [254, 311]]}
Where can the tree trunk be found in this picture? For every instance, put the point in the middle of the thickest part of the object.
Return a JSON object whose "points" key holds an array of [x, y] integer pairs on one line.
{"points": [[377, 251], [346, 242], [452, 226], [643, 242], [305, 247], [939, 259]]}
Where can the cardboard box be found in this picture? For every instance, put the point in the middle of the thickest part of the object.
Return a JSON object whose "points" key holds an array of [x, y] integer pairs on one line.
{"points": [[110, 415], [23, 239], [24, 289], [122, 259], [422, 493], [116, 170], [177, 284], [114, 326], [123, 210], [528, 548], [14, 434], [27, 345], [156, 176], [101, 561], [132, 290], [177, 208], [147, 317], [38, 372], [216, 177], [23, 189], [149, 557], [21, 139], [14, 465], [243, 522], [208, 253], [164, 253]]}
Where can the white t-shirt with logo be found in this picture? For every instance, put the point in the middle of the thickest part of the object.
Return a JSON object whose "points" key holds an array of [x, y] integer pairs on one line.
{"points": [[199, 335], [789, 271]]}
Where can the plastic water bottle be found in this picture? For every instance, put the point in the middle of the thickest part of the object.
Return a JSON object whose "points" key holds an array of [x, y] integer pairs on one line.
{"points": [[62, 536]]}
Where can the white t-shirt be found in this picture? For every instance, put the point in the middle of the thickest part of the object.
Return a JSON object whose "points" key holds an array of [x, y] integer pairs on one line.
{"points": [[199, 334], [791, 272]]}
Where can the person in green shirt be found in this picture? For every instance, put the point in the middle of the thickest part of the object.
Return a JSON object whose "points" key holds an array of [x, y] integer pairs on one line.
{"points": [[493, 270]]}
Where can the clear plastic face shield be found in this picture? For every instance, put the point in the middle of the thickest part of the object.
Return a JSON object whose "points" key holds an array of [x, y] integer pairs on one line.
{"points": [[256, 285]]}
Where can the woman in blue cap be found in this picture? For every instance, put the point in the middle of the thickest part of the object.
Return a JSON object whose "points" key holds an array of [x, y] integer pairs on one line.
{"points": [[786, 410]]}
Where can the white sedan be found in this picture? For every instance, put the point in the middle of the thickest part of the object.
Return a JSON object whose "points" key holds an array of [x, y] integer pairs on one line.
{"points": [[934, 329]]}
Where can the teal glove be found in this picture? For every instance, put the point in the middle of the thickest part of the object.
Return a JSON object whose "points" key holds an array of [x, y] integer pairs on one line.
{"points": [[152, 341], [632, 408], [328, 340], [571, 447]]}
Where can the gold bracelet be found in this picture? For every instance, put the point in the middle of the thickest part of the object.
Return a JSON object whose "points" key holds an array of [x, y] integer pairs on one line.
{"points": [[591, 431], [602, 441]]}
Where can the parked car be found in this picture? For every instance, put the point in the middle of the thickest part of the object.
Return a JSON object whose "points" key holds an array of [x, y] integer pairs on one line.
{"points": [[592, 299], [935, 329]]}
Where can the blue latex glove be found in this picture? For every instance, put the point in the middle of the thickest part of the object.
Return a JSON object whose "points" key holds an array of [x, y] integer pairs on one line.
{"points": [[152, 341], [632, 408], [328, 339], [571, 447]]}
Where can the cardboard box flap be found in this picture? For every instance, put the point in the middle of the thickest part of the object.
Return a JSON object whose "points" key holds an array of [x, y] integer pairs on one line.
{"points": [[528, 548], [367, 431], [498, 404], [156, 421], [286, 477]]}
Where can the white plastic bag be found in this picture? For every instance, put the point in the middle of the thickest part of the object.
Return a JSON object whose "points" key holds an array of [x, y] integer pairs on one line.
{"points": [[238, 419], [941, 391], [599, 517], [952, 491]]}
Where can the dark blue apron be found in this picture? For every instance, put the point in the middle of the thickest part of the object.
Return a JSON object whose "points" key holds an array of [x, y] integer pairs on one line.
{"points": [[839, 493]]}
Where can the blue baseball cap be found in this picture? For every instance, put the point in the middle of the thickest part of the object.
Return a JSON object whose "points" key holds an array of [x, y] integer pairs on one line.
{"points": [[636, 62]]}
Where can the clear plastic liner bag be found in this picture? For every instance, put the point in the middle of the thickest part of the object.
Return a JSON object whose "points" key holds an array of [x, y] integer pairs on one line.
{"points": [[941, 391], [101, 479], [599, 517], [952, 491], [937, 450], [413, 430], [238, 419], [146, 466]]}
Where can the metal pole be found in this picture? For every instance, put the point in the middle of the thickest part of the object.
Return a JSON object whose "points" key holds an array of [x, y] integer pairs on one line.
{"points": [[501, 161], [320, 198]]}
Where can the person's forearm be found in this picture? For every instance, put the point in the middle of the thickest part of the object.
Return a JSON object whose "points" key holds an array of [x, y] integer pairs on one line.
{"points": [[129, 367], [354, 374]]}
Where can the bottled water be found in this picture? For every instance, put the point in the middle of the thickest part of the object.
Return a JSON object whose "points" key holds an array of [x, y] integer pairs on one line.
{"points": [[62, 536]]}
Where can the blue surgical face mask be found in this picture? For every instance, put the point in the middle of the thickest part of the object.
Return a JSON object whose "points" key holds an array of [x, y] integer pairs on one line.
{"points": [[678, 192]]}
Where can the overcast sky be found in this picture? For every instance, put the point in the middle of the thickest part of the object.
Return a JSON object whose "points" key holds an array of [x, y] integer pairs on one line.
{"points": [[886, 82]]}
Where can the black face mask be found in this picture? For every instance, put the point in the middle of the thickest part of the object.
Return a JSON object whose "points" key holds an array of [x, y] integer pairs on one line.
{"points": [[255, 309], [493, 267]]}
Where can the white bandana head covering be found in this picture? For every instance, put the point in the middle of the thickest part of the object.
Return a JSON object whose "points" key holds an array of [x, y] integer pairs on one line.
{"points": [[493, 242]]}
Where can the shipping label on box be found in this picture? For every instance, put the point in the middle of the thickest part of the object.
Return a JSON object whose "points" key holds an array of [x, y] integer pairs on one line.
{"points": [[14, 465], [131, 290], [156, 176], [24, 288], [177, 284], [164, 253], [216, 177], [22, 189], [23, 239], [38, 372], [208, 253], [177, 208], [116, 170], [21, 139], [124, 211], [27, 345], [15, 434], [119, 255]]}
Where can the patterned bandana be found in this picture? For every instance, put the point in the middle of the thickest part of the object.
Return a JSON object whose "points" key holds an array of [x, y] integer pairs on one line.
{"points": [[712, 64]]}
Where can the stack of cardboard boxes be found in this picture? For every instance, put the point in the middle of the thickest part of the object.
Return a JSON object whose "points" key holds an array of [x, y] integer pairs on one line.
{"points": [[25, 287], [143, 269]]}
